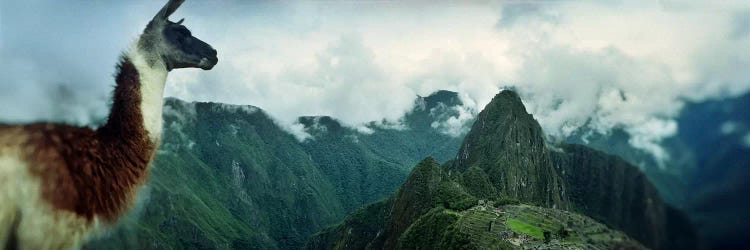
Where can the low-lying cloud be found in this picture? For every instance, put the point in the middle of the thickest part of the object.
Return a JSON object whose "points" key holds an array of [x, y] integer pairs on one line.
{"points": [[603, 65], [454, 121]]}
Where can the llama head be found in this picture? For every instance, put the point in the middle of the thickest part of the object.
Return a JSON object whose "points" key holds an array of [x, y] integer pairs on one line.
{"points": [[173, 44]]}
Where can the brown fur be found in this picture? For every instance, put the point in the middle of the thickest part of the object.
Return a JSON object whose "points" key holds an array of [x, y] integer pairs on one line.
{"points": [[93, 173]]}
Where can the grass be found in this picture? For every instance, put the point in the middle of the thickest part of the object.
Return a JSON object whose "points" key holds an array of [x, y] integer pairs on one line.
{"points": [[525, 228], [449, 211]]}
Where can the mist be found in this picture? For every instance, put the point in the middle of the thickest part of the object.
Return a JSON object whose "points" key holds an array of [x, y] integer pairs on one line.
{"points": [[601, 65]]}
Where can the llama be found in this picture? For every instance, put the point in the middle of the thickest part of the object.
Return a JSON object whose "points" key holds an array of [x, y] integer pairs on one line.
{"points": [[60, 184]]}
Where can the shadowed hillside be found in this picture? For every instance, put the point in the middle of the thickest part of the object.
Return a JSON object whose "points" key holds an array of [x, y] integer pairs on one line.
{"points": [[505, 160], [228, 176]]}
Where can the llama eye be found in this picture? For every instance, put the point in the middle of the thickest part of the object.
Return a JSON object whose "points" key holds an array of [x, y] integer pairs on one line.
{"points": [[184, 40]]}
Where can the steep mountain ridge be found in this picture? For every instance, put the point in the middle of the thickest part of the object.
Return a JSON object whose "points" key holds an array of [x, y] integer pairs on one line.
{"points": [[573, 177], [508, 145], [430, 211], [363, 166], [505, 156], [705, 171], [617, 142], [612, 191], [227, 176], [414, 198]]}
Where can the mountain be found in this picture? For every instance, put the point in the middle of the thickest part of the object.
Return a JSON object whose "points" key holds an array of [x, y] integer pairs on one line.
{"points": [[228, 176], [666, 176], [507, 145], [610, 190], [431, 211], [705, 174], [365, 167], [716, 135], [504, 160]]}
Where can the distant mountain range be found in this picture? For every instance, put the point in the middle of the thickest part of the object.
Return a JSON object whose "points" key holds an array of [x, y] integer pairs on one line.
{"points": [[504, 161], [716, 135], [707, 171], [227, 176]]}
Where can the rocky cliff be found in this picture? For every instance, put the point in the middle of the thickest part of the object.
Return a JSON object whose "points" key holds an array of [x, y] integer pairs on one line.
{"points": [[505, 160]]}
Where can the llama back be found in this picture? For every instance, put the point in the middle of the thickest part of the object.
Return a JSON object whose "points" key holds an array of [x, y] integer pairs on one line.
{"points": [[27, 219], [10, 164]]}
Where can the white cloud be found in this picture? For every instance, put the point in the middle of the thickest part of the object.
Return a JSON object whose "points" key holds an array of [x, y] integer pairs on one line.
{"points": [[622, 64], [247, 109], [364, 129], [632, 68], [58, 58], [728, 127], [746, 140], [648, 135], [298, 131], [458, 125], [454, 121], [178, 116]]}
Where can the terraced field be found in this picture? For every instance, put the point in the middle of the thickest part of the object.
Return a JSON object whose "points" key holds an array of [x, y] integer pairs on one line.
{"points": [[525, 227]]}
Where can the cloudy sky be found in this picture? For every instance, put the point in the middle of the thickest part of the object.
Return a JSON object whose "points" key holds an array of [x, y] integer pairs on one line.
{"points": [[617, 64]]}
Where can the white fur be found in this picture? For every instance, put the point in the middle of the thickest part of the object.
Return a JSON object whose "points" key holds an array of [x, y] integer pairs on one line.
{"points": [[8, 208], [153, 77], [39, 225]]}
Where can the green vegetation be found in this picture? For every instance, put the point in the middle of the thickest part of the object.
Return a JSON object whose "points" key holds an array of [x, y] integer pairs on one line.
{"points": [[508, 227], [454, 238], [525, 228], [505, 200], [427, 232], [505, 154], [505, 162], [357, 230], [452, 196], [228, 177], [512, 226], [478, 183]]}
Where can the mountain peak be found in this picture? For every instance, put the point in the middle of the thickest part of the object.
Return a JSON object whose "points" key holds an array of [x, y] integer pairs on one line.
{"points": [[508, 93], [508, 145], [508, 102], [436, 99], [436, 107], [449, 98], [502, 124]]}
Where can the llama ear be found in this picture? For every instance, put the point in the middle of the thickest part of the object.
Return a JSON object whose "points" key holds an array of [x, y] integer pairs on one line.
{"points": [[168, 9]]}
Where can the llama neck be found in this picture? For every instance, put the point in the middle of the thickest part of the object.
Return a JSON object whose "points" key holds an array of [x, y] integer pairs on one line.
{"points": [[153, 76], [138, 97]]}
